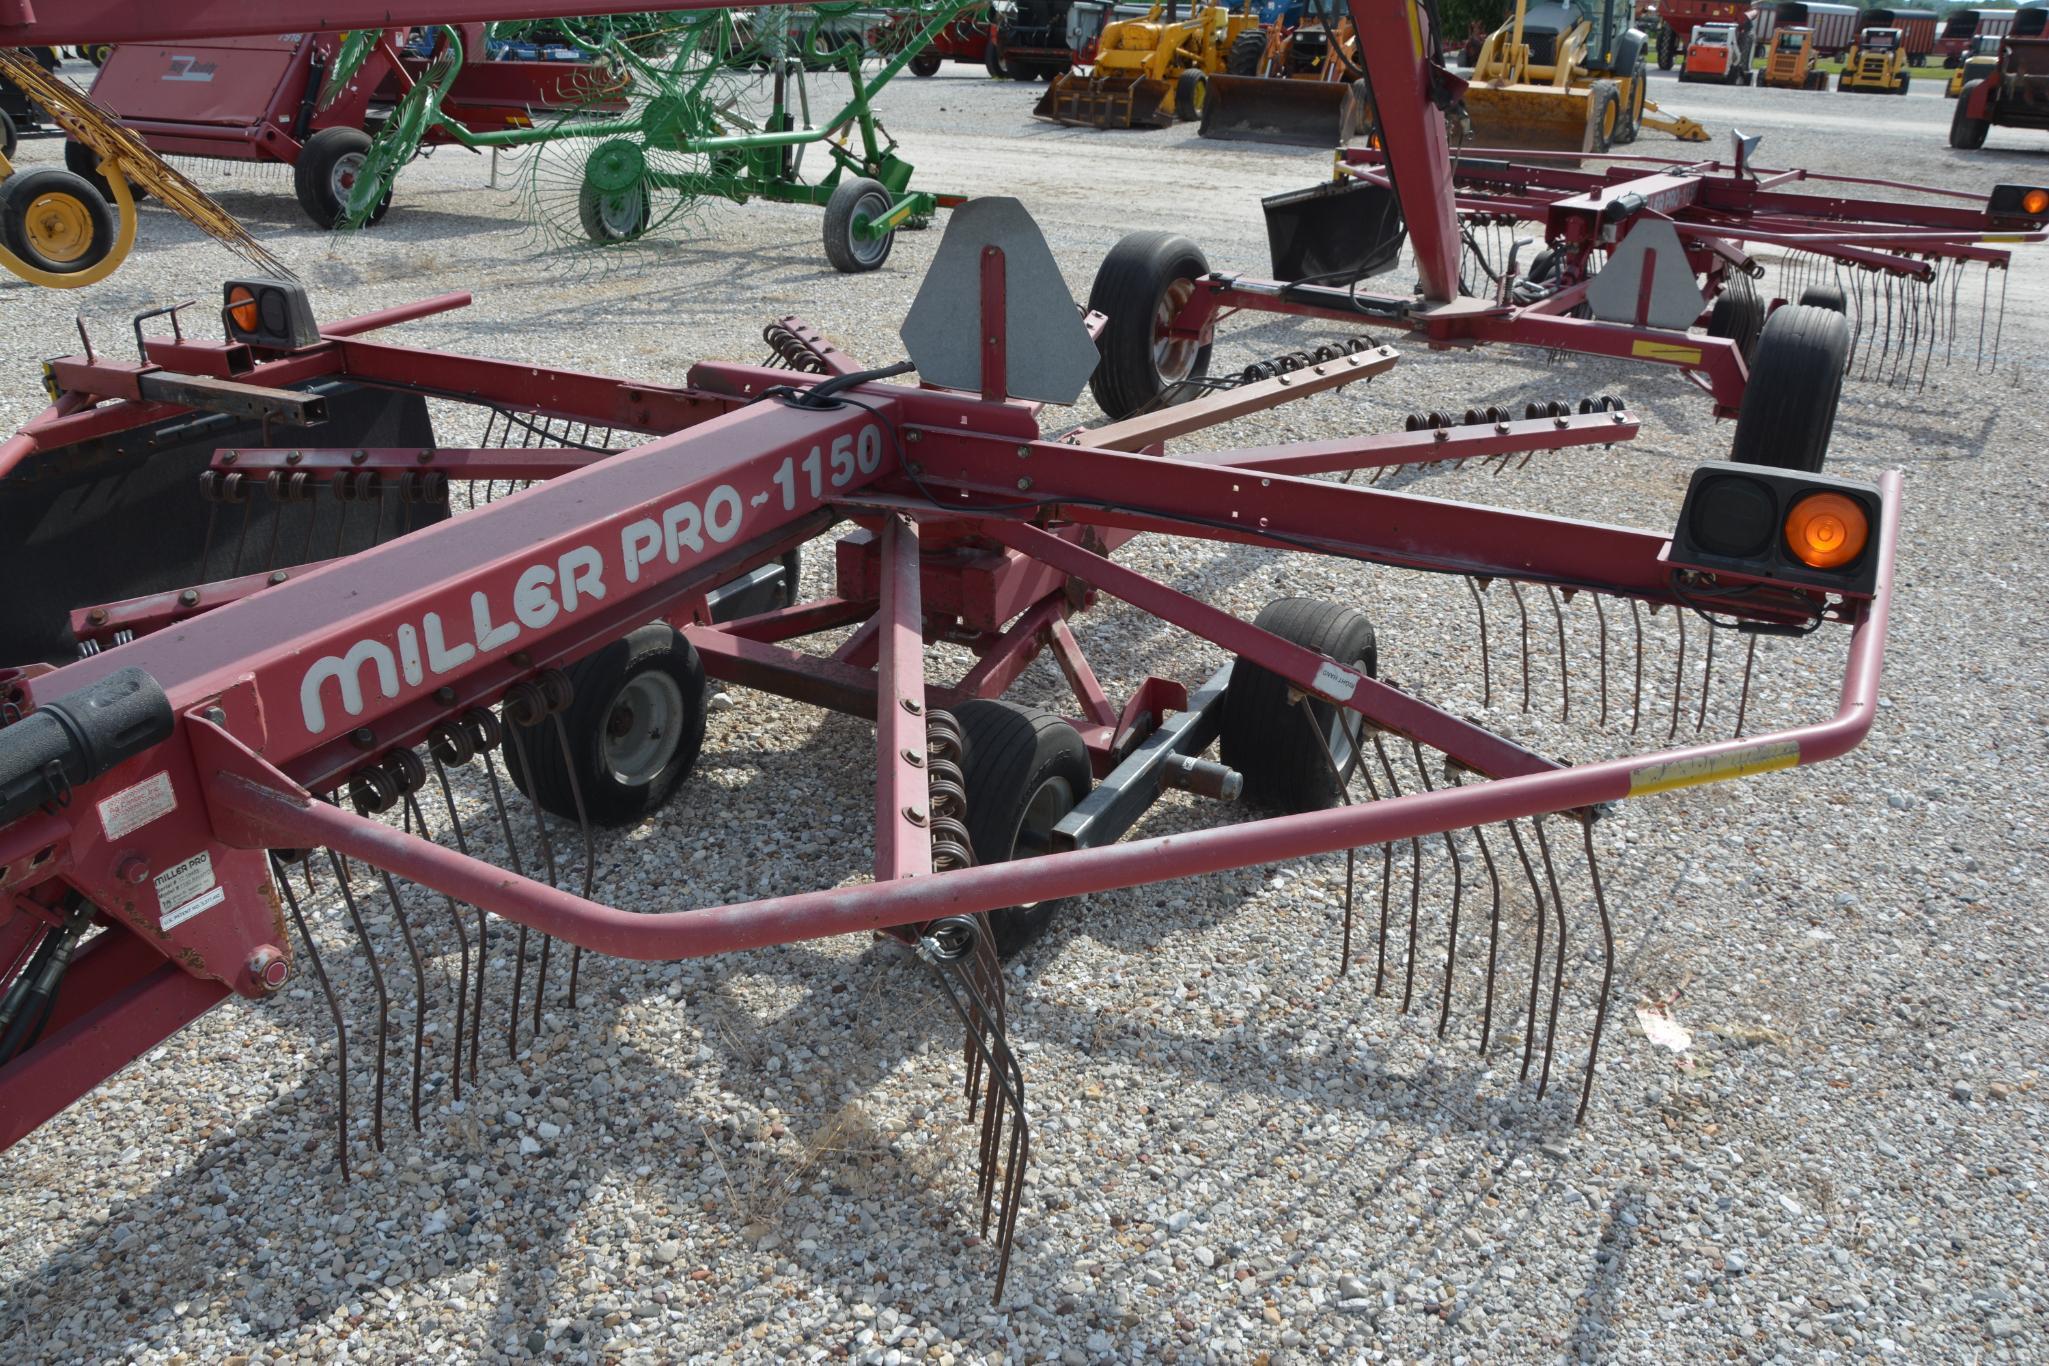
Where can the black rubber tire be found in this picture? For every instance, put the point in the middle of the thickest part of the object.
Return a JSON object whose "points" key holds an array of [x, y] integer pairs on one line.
{"points": [[20, 191], [1010, 755], [1967, 134], [600, 678], [83, 162], [1637, 96], [1191, 90], [9, 137], [1668, 49], [1263, 736], [849, 255], [1604, 103], [1129, 287], [621, 221], [992, 61], [1738, 313], [1246, 52], [314, 172], [1825, 296], [926, 63], [1796, 382]]}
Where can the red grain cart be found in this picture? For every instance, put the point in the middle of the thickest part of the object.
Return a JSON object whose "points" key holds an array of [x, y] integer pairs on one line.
{"points": [[259, 100], [1676, 20], [2015, 95], [1917, 27], [1834, 26], [1962, 27]]}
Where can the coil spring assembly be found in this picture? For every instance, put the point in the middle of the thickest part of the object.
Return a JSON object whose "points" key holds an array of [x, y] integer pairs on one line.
{"points": [[947, 794], [1301, 360], [1495, 413], [788, 350]]}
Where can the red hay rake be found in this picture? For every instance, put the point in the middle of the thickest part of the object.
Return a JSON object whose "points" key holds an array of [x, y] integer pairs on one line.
{"points": [[425, 675]]}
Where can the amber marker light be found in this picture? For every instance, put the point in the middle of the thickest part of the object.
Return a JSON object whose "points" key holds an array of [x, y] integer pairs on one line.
{"points": [[242, 308], [2035, 203], [1827, 530]]}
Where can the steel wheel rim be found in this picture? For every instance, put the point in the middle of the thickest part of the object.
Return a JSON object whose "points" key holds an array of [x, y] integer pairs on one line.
{"points": [[643, 728], [59, 227], [341, 179], [1173, 357], [1048, 805], [868, 208], [620, 213]]}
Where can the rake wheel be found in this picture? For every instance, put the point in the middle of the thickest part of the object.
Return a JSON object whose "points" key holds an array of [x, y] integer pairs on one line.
{"points": [[1140, 286], [630, 735], [1023, 770], [852, 199], [1285, 767], [1796, 381], [56, 221]]}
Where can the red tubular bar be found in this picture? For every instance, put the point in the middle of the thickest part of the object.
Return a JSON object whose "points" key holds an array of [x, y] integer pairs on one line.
{"points": [[255, 813], [903, 834]]}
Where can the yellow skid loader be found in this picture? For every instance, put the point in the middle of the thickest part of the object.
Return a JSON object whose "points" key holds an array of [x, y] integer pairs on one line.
{"points": [[1149, 72], [1552, 79], [1286, 82]]}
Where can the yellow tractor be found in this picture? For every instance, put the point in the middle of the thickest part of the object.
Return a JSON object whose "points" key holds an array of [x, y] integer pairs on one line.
{"points": [[1981, 62], [1877, 65], [1149, 72], [1292, 80], [1553, 79]]}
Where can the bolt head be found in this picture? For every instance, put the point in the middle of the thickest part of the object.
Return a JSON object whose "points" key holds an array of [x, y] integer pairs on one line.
{"points": [[362, 737], [915, 815], [1023, 485], [97, 615], [133, 870], [189, 598]]}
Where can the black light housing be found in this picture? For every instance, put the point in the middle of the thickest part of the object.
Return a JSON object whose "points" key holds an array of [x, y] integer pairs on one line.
{"points": [[1736, 520], [1334, 233], [269, 315], [2018, 206]]}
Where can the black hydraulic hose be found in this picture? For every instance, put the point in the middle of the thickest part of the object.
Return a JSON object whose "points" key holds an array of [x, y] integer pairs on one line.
{"points": [[33, 996]]}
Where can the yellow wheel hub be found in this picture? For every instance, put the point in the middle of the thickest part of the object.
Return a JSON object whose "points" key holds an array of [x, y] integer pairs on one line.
{"points": [[59, 227]]}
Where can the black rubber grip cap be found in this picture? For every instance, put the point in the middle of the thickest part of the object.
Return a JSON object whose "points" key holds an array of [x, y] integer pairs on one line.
{"points": [[77, 737]]}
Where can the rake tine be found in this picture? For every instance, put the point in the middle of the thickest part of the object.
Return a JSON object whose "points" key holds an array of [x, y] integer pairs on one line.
{"points": [[1386, 876], [1537, 958], [1743, 701], [1415, 886], [590, 855], [1344, 797], [1999, 328], [383, 1001], [461, 754], [1678, 674], [1707, 680], [512, 734], [462, 941], [242, 536], [1984, 307], [341, 1028], [1458, 881], [1493, 934], [1524, 613], [1486, 664], [1564, 672], [419, 990], [519, 951], [1558, 954], [1601, 618], [1586, 1090], [1636, 706]]}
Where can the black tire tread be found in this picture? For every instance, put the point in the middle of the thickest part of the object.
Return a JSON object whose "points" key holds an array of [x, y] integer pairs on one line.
{"points": [[310, 173], [1789, 405], [1263, 737], [1127, 288], [23, 186], [839, 227], [1004, 744]]}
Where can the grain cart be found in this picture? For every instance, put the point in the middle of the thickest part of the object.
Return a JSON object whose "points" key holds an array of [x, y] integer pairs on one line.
{"points": [[2014, 92], [402, 762], [1552, 79], [1719, 53], [1963, 28], [1834, 26], [1676, 20], [1982, 61], [1877, 64], [1149, 72], [1791, 65], [1288, 81]]}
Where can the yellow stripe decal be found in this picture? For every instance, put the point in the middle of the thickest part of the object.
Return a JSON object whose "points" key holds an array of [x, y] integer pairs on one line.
{"points": [[1714, 768], [1666, 351]]}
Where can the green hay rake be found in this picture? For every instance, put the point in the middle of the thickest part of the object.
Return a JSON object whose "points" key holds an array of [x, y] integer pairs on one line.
{"points": [[721, 110]]}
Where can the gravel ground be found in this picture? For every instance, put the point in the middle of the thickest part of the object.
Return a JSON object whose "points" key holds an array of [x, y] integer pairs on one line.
{"points": [[1239, 1154]]}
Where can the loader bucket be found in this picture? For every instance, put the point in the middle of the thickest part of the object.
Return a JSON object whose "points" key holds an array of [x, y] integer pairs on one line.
{"points": [[1105, 102], [1334, 233], [1529, 118], [1258, 109], [123, 515]]}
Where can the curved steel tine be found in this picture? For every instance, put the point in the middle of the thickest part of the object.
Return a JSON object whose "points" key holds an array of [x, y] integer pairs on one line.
{"points": [[1999, 328], [1586, 1090], [1537, 957], [341, 1027], [1558, 952], [1707, 680], [1386, 873], [1000, 1178], [405, 929], [1493, 934], [1636, 706], [1522, 611], [1743, 699], [1415, 885], [462, 943], [1984, 308], [462, 845], [1458, 880], [1601, 618], [518, 743], [519, 950], [383, 1001], [590, 854], [1678, 674], [1342, 717], [1486, 663], [1564, 669]]}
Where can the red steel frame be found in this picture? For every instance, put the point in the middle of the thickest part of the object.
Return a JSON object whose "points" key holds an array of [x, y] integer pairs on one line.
{"points": [[284, 691]]}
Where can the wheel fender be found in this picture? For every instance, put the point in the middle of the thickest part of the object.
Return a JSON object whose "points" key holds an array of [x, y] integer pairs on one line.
{"points": [[1977, 98]]}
